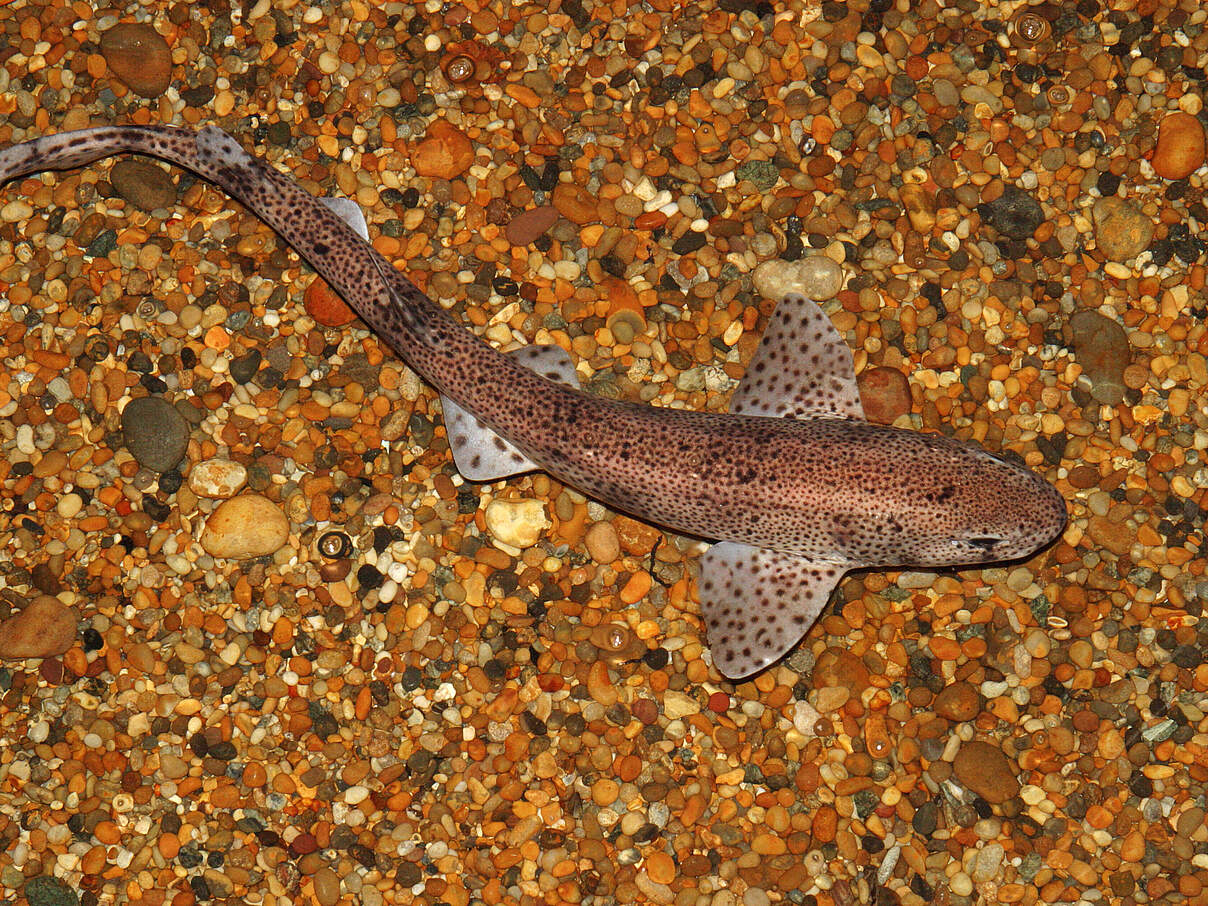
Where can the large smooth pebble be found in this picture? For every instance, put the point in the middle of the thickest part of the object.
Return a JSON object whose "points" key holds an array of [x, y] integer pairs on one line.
{"points": [[245, 527], [1181, 146], [816, 277], [45, 628], [517, 523], [138, 55], [155, 433], [217, 478]]}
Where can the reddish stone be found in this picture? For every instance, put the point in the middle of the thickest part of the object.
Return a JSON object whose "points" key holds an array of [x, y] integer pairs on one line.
{"points": [[325, 306]]}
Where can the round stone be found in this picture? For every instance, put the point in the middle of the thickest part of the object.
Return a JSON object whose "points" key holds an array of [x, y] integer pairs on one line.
{"points": [[43, 628], [155, 433], [245, 527], [143, 184], [139, 57]]}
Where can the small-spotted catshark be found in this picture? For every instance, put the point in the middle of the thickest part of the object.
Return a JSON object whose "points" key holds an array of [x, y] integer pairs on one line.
{"points": [[793, 484]]}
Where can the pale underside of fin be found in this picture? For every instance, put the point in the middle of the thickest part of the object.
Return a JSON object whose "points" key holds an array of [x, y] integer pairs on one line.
{"points": [[478, 452], [802, 368], [758, 603], [350, 212]]}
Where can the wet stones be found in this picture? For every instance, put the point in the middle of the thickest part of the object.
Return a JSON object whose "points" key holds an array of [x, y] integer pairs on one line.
{"points": [[1180, 148], [44, 628], [1122, 231], [1101, 347], [245, 527], [155, 433], [139, 57], [1015, 214]]}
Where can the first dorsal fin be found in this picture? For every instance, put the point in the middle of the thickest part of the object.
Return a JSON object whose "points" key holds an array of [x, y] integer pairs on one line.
{"points": [[478, 452], [802, 368]]}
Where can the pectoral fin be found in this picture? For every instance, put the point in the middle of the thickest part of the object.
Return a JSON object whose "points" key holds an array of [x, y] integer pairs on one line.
{"points": [[758, 603], [802, 368], [478, 452]]}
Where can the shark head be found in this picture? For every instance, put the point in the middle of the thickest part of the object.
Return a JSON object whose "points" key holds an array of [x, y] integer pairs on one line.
{"points": [[990, 510]]}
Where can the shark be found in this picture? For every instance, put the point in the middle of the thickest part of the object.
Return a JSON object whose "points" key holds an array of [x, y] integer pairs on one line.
{"points": [[793, 487]]}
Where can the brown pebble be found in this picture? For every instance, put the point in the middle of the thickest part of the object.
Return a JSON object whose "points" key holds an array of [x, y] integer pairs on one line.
{"points": [[959, 702], [444, 153], [528, 226], [44, 628], [885, 393], [139, 56], [1180, 149], [983, 768]]}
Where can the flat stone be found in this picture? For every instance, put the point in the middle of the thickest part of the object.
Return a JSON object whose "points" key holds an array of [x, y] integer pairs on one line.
{"points": [[920, 207], [1181, 147], [885, 394], [1101, 347], [836, 667], [983, 768], [1122, 231], [816, 277], [143, 184], [959, 701], [43, 628], [1015, 213], [603, 544], [48, 891], [217, 478], [528, 226], [155, 433], [325, 306], [516, 523], [444, 153], [575, 203], [139, 56], [245, 527]]}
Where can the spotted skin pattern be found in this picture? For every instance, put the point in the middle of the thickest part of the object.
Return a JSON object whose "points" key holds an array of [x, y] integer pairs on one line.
{"points": [[795, 501]]}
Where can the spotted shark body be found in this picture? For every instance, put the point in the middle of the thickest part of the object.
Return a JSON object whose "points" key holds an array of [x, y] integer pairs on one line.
{"points": [[793, 484]]}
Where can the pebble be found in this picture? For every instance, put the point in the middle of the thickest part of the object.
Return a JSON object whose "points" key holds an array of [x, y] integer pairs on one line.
{"points": [[444, 153], [145, 185], [984, 769], [327, 887], [155, 433], [603, 544], [325, 306], [245, 527], [47, 891], [816, 277], [217, 478], [517, 523], [45, 627], [1101, 347], [885, 394], [139, 56], [526, 227], [959, 701], [1122, 231], [1180, 147], [1015, 213]]}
